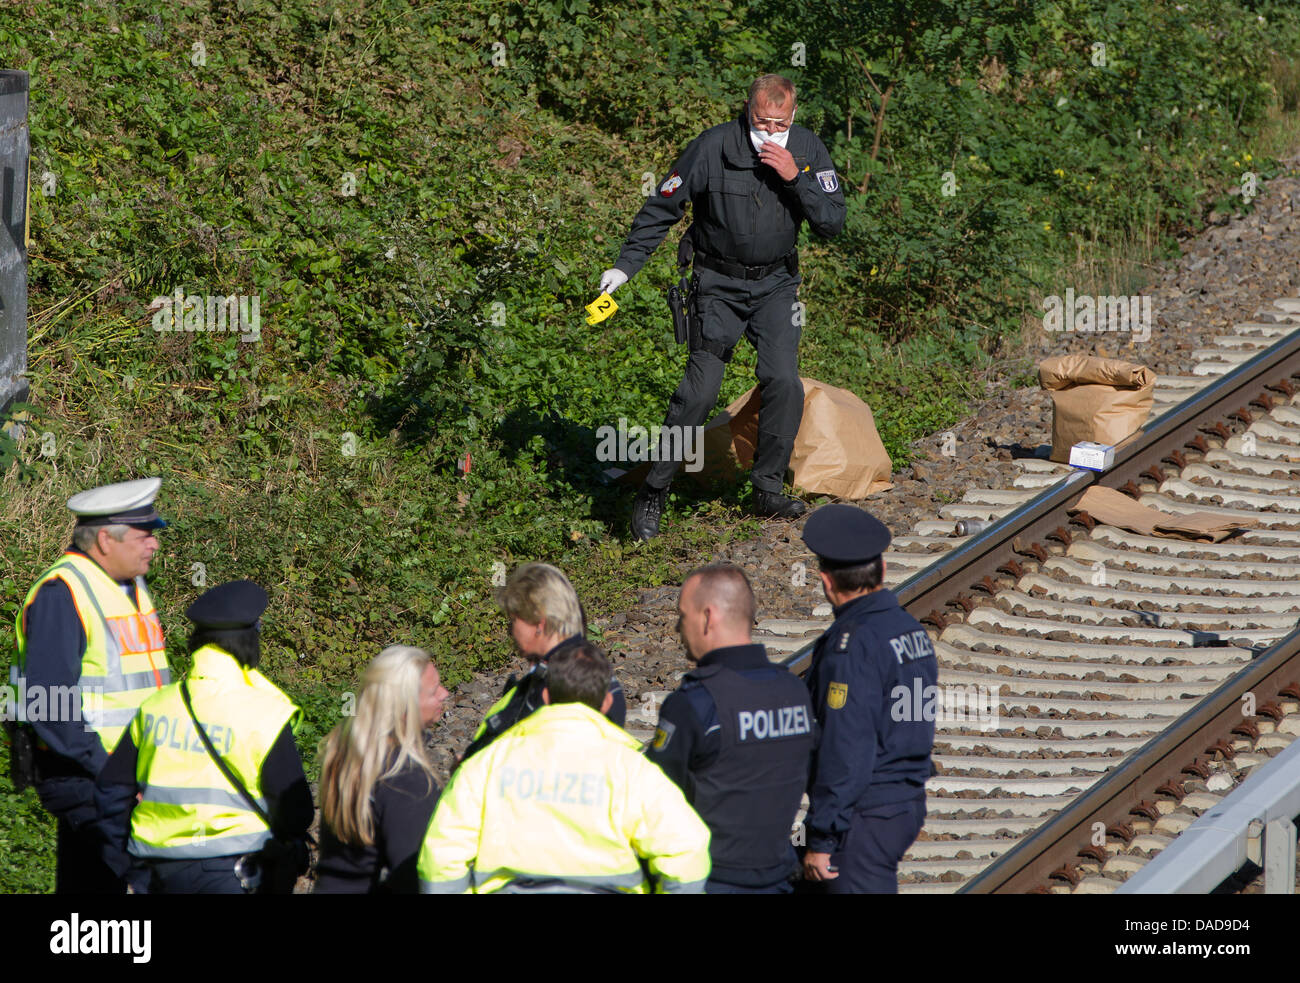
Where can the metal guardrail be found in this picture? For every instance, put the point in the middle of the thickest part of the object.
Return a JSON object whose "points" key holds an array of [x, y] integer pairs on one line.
{"points": [[1251, 828]]}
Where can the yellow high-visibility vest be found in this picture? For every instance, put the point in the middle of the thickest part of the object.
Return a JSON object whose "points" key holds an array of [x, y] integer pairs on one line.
{"points": [[125, 658], [563, 801], [188, 809]]}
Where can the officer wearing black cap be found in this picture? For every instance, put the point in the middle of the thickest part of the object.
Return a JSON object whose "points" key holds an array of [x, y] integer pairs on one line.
{"points": [[867, 788], [736, 737], [90, 650], [751, 183], [223, 805]]}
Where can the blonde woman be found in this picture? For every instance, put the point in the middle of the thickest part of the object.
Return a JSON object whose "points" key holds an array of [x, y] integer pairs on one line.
{"points": [[377, 789]]}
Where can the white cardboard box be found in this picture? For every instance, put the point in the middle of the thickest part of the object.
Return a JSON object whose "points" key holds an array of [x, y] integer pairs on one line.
{"points": [[1093, 457]]}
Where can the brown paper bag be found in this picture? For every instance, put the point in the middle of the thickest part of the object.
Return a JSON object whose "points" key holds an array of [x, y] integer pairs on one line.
{"points": [[1099, 399], [837, 450]]}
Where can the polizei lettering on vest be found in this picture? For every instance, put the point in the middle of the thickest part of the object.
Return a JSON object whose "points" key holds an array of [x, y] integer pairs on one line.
{"points": [[127, 936], [914, 645], [766, 724]]}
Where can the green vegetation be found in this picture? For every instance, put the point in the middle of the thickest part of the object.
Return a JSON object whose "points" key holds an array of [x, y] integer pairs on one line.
{"points": [[497, 153]]}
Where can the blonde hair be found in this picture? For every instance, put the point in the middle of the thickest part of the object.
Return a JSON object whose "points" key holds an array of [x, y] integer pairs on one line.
{"points": [[386, 725], [540, 594]]}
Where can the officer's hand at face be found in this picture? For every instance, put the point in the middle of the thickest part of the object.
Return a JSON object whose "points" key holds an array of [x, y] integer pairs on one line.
{"points": [[817, 867], [779, 159]]}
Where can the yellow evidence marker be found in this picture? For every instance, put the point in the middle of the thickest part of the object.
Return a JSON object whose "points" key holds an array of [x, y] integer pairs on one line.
{"points": [[601, 308]]}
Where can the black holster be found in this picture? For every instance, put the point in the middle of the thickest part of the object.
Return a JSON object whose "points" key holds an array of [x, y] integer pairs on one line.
{"points": [[681, 298], [22, 755]]}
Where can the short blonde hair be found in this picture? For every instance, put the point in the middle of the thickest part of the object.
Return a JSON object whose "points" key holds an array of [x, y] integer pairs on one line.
{"points": [[540, 594]]}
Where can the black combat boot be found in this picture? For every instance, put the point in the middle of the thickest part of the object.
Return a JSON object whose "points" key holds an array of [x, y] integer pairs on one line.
{"points": [[774, 505], [646, 511]]}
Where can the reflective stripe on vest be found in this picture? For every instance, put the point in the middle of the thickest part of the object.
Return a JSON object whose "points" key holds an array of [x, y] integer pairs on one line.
{"points": [[124, 660], [188, 810]]}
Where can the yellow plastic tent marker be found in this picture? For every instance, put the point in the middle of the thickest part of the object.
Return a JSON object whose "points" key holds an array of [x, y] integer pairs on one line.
{"points": [[600, 308]]}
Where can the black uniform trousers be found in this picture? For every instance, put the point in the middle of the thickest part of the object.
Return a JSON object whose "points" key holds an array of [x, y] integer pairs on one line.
{"points": [[215, 875], [875, 843], [79, 866], [765, 311]]}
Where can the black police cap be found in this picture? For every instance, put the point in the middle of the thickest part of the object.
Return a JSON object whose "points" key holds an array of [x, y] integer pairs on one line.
{"points": [[845, 535], [237, 604]]}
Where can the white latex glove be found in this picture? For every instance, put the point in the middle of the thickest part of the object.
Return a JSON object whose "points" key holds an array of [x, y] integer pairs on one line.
{"points": [[611, 280]]}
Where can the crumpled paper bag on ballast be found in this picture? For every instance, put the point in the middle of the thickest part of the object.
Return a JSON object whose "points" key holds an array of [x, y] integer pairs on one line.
{"points": [[1099, 399]]}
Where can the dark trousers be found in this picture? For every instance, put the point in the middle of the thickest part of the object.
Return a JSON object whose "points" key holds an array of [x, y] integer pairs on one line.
{"points": [[868, 858], [764, 312], [718, 887], [216, 875], [79, 866]]}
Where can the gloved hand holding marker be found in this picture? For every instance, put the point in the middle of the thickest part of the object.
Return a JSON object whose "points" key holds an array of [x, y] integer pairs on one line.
{"points": [[604, 306]]}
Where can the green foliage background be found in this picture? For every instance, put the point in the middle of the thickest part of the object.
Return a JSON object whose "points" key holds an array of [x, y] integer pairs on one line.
{"points": [[499, 152]]}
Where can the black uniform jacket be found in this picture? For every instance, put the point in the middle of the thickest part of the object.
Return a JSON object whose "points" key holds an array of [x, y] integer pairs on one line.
{"points": [[743, 211]]}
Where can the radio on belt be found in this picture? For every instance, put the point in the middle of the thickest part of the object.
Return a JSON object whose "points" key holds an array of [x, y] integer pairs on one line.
{"points": [[1093, 457]]}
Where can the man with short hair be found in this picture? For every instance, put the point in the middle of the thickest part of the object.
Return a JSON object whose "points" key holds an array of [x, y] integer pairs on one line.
{"points": [[544, 614], [752, 183], [564, 802], [88, 626], [737, 736], [867, 791]]}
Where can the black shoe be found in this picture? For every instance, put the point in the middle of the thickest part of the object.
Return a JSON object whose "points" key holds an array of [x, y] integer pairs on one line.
{"points": [[646, 510], [774, 505]]}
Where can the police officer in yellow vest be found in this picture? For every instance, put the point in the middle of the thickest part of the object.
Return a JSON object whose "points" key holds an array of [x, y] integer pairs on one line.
{"points": [[193, 826], [564, 802], [90, 649]]}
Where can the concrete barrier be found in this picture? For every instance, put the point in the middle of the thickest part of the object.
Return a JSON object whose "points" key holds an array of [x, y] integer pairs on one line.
{"points": [[14, 154]]}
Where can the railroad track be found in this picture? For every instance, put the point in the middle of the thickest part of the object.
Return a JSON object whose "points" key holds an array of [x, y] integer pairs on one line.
{"points": [[1117, 662]]}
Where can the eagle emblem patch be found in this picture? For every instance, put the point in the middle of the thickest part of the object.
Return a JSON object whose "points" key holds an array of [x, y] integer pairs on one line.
{"points": [[837, 695], [672, 184], [829, 182], [663, 734]]}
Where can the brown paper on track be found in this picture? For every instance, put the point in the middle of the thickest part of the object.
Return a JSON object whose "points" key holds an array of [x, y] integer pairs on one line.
{"points": [[1114, 508]]}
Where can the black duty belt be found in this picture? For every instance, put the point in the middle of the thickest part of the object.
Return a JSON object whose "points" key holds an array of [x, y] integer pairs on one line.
{"points": [[739, 270]]}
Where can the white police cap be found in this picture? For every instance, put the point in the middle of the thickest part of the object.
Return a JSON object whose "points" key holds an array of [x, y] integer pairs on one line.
{"points": [[127, 503]]}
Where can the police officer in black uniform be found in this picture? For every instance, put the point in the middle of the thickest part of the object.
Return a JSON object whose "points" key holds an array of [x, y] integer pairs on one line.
{"points": [[867, 793], [736, 737], [752, 182]]}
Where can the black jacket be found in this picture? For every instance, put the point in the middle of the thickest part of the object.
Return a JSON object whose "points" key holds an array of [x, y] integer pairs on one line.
{"points": [[402, 807], [743, 211]]}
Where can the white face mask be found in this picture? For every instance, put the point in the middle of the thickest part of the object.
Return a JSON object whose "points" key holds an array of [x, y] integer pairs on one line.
{"points": [[758, 137]]}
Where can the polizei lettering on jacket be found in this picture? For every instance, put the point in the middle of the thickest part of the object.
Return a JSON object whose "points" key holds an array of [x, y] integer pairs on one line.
{"points": [[914, 645], [760, 725], [564, 788]]}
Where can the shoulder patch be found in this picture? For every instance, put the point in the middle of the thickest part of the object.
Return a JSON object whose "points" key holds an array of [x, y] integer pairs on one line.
{"points": [[837, 695], [829, 182], [672, 184], [663, 734]]}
